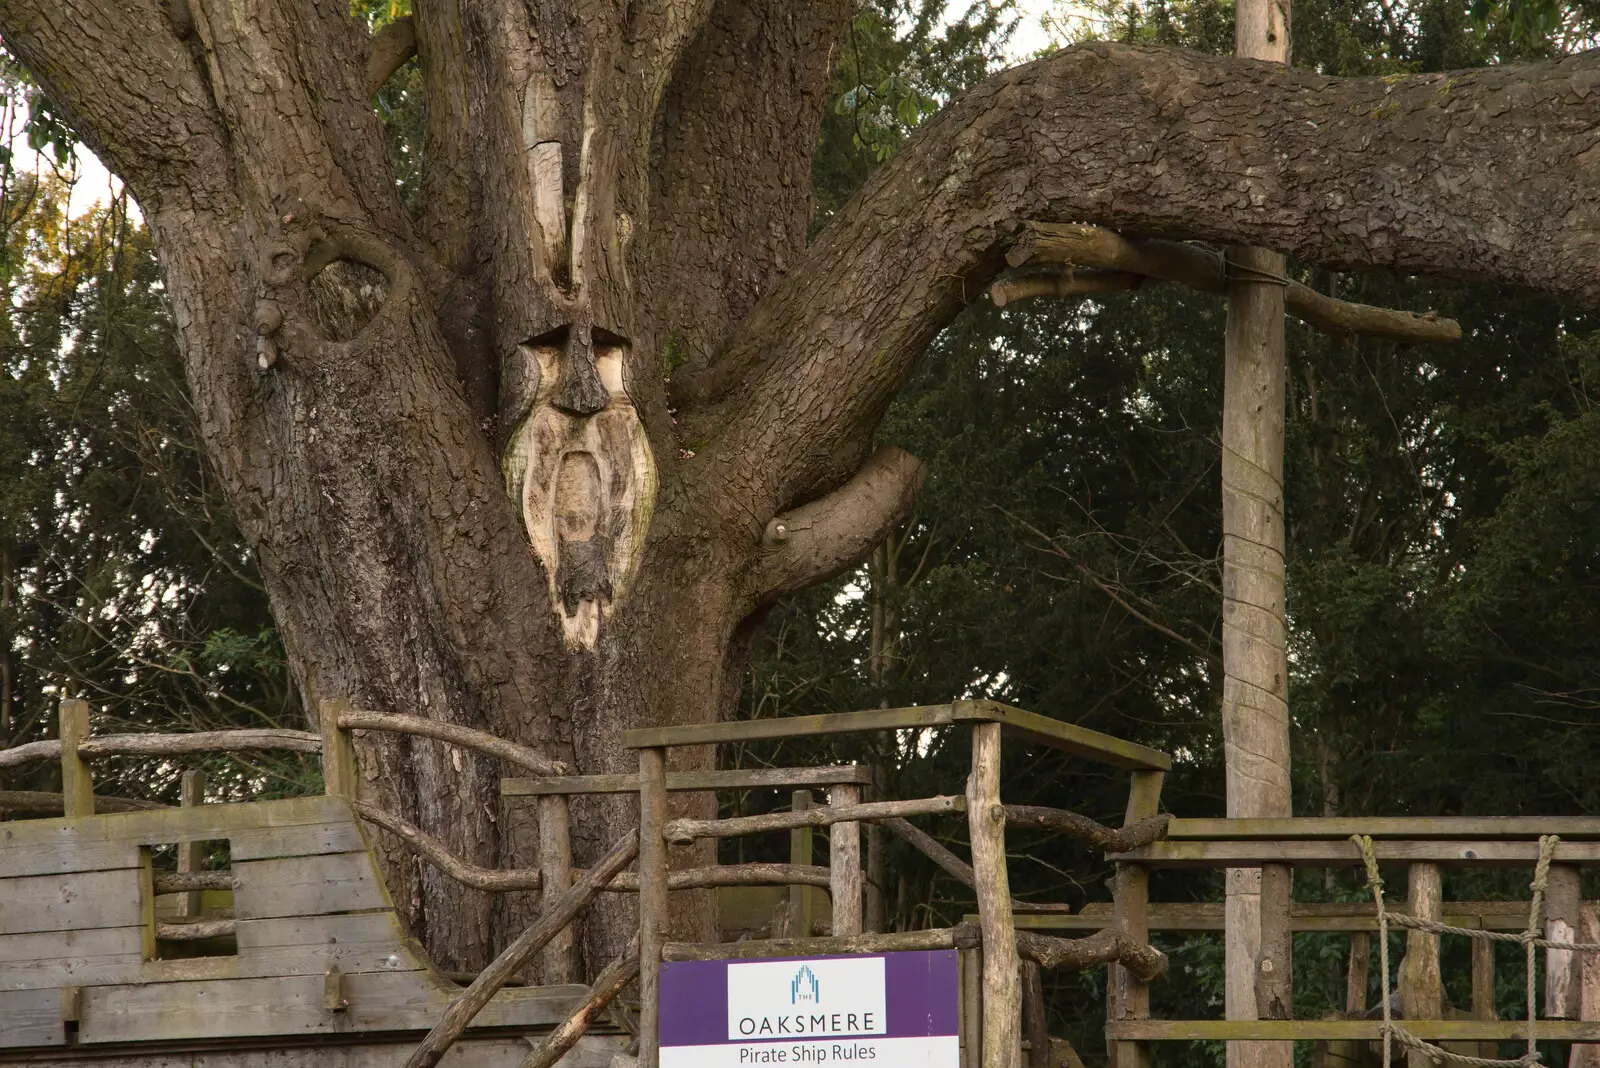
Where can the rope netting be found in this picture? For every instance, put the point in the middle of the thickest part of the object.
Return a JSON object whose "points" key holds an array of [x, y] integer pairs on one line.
{"points": [[1530, 938]]}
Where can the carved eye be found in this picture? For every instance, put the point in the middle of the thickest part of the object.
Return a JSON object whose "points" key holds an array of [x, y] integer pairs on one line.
{"points": [[608, 364], [345, 295]]}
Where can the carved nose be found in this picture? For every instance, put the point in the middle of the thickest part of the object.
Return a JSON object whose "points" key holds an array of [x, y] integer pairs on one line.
{"points": [[581, 392]]}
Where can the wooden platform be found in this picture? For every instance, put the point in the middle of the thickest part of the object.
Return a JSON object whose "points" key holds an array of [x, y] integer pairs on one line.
{"points": [[320, 951]]}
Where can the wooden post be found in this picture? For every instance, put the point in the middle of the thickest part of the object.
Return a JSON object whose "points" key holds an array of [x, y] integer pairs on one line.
{"points": [[652, 899], [844, 859], [986, 822], [1587, 1055], [1356, 972], [802, 899], [1131, 894], [1112, 1014], [877, 877], [1035, 1021], [555, 873], [191, 792], [339, 777], [1421, 988], [1483, 992], [1274, 960], [971, 961], [1563, 984], [77, 784]]}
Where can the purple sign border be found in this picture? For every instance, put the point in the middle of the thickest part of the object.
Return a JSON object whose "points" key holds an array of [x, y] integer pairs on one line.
{"points": [[922, 998]]}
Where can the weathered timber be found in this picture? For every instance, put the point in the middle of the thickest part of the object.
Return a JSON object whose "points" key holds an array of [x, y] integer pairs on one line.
{"points": [[970, 962], [1273, 964], [307, 886], [511, 960], [961, 936], [434, 852], [77, 783], [1130, 992], [804, 908], [49, 749], [1143, 962], [70, 902], [1319, 853], [1358, 967], [1348, 1030], [194, 930], [680, 781], [192, 792], [1588, 1055], [606, 986], [986, 825], [555, 871], [844, 860], [652, 899], [687, 830], [38, 838], [455, 734], [1483, 990], [1028, 726], [234, 741], [340, 777], [49, 802], [32, 1018], [809, 875], [1125, 263], [1563, 982], [1084, 829], [931, 848], [1035, 1021], [71, 958], [1420, 985], [191, 882], [1300, 828], [1355, 916]]}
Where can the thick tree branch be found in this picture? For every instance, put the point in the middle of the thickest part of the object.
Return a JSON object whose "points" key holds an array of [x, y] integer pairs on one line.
{"points": [[1065, 245], [390, 48], [819, 540], [1481, 174], [1103, 947], [149, 114], [1071, 824]]}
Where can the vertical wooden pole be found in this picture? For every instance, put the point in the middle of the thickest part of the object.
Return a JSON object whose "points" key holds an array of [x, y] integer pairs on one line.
{"points": [[1113, 1013], [1421, 987], [1255, 715], [1131, 895], [1357, 969], [986, 822], [875, 918], [1563, 985], [191, 792], [1483, 991], [1587, 1055], [802, 899], [339, 777], [555, 872], [652, 899], [844, 860], [77, 784], [971, 961], [1035, 1020], [1274, 961]]}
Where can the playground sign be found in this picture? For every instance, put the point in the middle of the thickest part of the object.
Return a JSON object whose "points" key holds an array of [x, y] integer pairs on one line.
{"points": [[888, 1010]]}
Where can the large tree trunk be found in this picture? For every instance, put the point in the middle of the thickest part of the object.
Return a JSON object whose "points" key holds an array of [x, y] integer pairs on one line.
{"points": [[1255, 665], [453, 440]]}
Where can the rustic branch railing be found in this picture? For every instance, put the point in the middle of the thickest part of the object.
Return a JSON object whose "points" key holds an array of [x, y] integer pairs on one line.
{"points": [[606, 986], [195, 931], [454, 733], [53, 803], [1107, 839], [682, 832], [234, 741], [961, 936]]}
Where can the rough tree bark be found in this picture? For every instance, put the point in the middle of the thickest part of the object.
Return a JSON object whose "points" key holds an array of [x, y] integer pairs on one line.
{"points": [[1255, 665], [535, 460]]}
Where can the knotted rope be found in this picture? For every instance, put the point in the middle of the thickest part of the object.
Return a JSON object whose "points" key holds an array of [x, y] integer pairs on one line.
{"points": [[1530, 938]]}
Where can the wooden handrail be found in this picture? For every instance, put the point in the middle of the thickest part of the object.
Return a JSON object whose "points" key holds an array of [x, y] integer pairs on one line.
{"points": [[687, 830], [166, 744], [455, 734]]}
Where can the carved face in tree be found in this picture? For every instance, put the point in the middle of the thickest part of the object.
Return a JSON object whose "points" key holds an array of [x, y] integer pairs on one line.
{"points": [[580, 466]]}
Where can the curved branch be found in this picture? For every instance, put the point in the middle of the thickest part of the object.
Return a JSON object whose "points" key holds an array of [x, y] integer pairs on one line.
{"points": [[51, 803], [1103, 947], [1472, 174], [818, 540], [455, 734], [1107, 839], [1072, 244], [391, 46], [434, 852]]}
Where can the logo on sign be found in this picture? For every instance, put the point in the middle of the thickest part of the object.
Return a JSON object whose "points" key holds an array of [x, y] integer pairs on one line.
{"points": [[804, 987], [783, 999]]}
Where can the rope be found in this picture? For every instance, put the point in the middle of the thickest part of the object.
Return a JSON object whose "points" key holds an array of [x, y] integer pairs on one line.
{"points": [[1529, 938]]}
